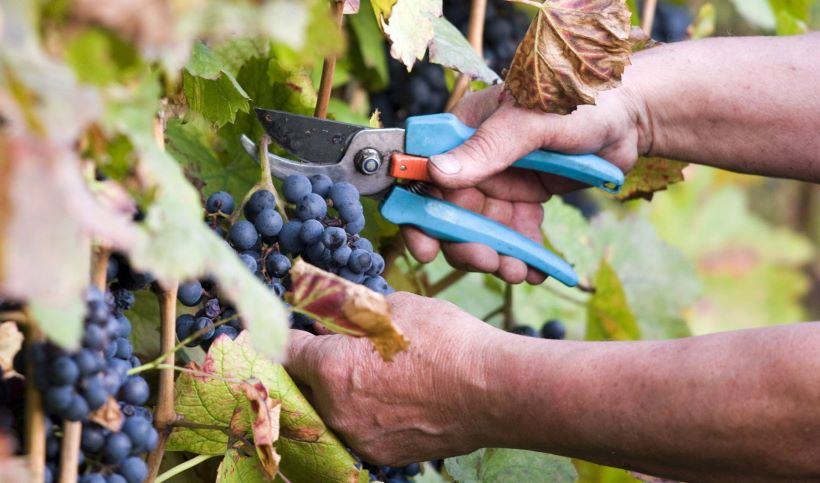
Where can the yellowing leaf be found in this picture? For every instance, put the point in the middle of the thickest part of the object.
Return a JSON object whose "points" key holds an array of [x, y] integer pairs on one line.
{"points": [[382, 10], [572, 50], [410, 28], [609, 316], [346, 307], [265, 425], [650, 175]]}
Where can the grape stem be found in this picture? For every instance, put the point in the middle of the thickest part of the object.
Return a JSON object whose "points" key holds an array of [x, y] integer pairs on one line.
{"points": [[265, 182], [508, 320], [328, 68], [34, 416], [445, 283], [165, 413], [183, 467], [475, 35]]}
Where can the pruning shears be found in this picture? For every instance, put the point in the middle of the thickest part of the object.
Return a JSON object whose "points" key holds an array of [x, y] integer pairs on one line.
{"points": [[390, 164]]}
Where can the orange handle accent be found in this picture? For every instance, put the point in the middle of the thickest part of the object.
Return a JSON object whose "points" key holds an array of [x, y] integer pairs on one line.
{"points": [[407, 166]]}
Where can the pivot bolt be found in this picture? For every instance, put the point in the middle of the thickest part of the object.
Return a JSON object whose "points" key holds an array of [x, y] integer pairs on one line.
{"points": [[368, 161]]}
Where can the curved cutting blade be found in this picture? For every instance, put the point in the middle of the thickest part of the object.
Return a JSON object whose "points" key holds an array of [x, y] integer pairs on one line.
{"points": [[310, 139]]}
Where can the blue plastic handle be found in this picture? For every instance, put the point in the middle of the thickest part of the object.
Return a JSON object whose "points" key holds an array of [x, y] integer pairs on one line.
{"points": [[439, 133], [450, 222]]}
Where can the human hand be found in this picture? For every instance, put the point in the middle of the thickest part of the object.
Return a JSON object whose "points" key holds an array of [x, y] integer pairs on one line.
{"points": [[422, 405], [476, 175]]}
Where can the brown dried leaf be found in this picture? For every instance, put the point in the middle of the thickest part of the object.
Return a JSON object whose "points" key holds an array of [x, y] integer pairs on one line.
{"points": [[650, 175], [265, 425], [108, 415], [572, 50], [346, 307]]}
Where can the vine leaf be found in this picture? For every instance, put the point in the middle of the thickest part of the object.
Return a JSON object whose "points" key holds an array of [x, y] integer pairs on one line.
{"points": [[572, 50], [346, 307], [649, 175], [238, 467], [449, 48], [609, 316], [210, 89], [501, 464], [211, 396], [409, 26]]}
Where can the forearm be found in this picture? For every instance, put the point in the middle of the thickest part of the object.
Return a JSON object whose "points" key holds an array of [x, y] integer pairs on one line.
{"points": [[742, 404], [744, 104]]}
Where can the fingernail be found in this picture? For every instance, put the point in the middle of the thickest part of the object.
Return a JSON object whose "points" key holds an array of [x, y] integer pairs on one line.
{"points": [[445, 163]]}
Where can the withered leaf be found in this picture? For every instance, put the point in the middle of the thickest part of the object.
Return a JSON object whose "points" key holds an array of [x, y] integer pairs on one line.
{"points": [[649, 175], [572, 50], [346, 307], [108, 415], [265, 425]]}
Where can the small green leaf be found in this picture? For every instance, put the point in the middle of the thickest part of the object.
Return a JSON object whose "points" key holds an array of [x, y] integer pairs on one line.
{"points": [[99, 57], [233, 53], [210, 89], [608, 314], [567, 232], [449, 48], [650, 175], [499, 465]]}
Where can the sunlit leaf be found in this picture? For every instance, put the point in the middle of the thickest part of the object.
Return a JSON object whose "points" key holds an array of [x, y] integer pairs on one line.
{"points": [[609, 316], [238, 467], [572, 50], [410, 28], [346, 307], [650, 175], [211, 90], [449, 48], [494, 465]]}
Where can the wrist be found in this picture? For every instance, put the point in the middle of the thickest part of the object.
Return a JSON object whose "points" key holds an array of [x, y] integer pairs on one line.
{"points": [[637, 95]]}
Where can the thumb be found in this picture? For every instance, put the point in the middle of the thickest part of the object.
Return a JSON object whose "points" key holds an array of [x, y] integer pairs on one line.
{"points": [[508, 134], [300, 361]]}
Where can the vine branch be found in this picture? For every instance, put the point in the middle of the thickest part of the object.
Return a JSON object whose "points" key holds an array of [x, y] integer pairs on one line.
{"points": [[508, 320], [34, 416], [445, 282], [328, 68], [648, 15], [475, 35]]}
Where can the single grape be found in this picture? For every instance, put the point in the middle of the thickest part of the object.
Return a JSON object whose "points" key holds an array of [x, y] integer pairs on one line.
{"points": [[63, 370], [58, 398], [133, 470], [225, 330], [243, 235], [88, 361], [355, 226], [295, 187], [138, 430], [289, 239], [350, 275], [206, 325], [189, 293], [111, 381], [314, 252], [334, 237], [524, 330], [268, 222], [134, 391], [94, 392], [134, 361], [77, 409], [185, 324], [93, 438], [117, 448], [94, 337], [119, 366], [342, 192], [321, 184], [311, 206], [360, 261], [249, 261], [219, 202], [124, 349], [377, 265], [311, 232], [123, 326], [377, 284], [259, 201], [553, 329], [277, 265], [110, 351], [349, 210], [364, 244], [341, 255]]}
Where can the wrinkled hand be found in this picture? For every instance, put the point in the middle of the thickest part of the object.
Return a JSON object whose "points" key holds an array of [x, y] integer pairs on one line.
{"points": [[424, 404], [476, 175]]}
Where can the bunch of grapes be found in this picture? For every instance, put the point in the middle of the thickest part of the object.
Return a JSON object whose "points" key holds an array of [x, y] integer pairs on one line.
{"points": [[75, 384], [389, 474], [552, 329], [324, 225]]}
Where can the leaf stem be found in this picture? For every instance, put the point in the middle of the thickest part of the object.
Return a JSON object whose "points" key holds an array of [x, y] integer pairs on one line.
{"points": [[566, 297], [445, 283], [475, 35], [192, 425], [165, 413], [328, 68], [183, 467]]}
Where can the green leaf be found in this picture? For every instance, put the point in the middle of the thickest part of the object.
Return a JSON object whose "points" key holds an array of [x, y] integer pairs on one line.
{"points": [[493, 465], [240, 468], [369, 45], [449, 48], [233, 53], [609, 316], [757, 12], [310, 452], [98, 57], [791, 16], [210, 89], [650, 175], [567, 232]]}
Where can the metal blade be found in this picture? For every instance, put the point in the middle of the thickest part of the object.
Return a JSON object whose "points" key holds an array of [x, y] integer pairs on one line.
{"points": [[310, 139], [375, 185]]}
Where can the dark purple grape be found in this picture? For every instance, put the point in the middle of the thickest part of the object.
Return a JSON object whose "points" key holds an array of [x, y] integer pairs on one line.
{"points": [[311, 232], [133, 470], [243, 235], [259, 201], [189, 293], [334, 237], [277, 265], [295, 187], [117, 448], [219, 202], [268, 222], [553, 329], [321, 184], [311, 206], [289, 239], [134, 391]]}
